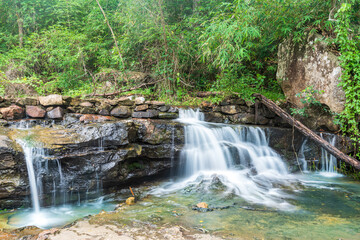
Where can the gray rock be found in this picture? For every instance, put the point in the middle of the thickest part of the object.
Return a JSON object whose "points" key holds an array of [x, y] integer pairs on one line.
{"points": [[167, 115], [139, 100], [164, 108], [56, 113], [121, 111], [150, 113]]}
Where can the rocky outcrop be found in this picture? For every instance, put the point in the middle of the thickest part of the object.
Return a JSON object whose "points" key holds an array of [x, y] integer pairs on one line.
{"points": [[86, 153], [310, 64], [12, 112], [13, 175]]}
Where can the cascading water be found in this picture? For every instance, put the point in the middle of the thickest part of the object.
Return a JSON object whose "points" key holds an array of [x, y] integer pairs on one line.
{"points": [[31, 155], [301, 156], [328, 161], [239, 157]]}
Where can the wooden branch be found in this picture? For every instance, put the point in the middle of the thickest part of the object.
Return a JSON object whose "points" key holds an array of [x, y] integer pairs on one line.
{"points": [[207, 94], [122, 91], [307, 132], [112, 33]]}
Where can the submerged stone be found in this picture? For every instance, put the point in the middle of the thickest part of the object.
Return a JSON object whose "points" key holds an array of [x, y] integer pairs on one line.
{"points": [[130, 201]]}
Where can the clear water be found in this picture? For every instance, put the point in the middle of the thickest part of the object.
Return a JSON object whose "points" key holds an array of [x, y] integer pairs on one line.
{"points": [[55, 216]]}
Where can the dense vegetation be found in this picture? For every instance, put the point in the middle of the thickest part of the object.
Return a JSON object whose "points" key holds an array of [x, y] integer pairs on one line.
{"points": [[184, 45]]}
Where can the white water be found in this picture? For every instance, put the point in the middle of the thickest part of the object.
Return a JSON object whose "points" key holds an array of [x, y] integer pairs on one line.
{"points": [[301, 156], [328, 161], [238, 157], [31, 154]]}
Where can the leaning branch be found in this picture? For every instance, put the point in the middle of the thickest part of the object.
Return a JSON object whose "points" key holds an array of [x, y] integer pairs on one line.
{"points": [[307, 132]]}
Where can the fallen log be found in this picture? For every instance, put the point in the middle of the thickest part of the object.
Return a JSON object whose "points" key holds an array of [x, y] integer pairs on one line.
{"points": [[123, 90], [307, 132]]}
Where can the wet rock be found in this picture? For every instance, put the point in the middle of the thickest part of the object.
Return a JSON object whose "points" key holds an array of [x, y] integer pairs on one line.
{"points": [[139, 100], [121, 111], [230, 109], [51, 100], [202, 205], [214, 117], [12, 113], [35, 112], [150, 113], [56, 113], [173, 109], [142, 107], [167, 115], [130, 201]]}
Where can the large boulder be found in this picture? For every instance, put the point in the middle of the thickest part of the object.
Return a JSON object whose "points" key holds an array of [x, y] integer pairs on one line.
{"points": [[310, 64]]}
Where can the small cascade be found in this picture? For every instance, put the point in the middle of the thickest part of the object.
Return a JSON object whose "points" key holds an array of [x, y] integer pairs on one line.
{"points": [[301, 156], [328, 161], [238, 157], [32, 154]]}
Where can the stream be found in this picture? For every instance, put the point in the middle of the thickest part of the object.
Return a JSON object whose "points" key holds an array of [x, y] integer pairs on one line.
{"points": [[247, 185]]}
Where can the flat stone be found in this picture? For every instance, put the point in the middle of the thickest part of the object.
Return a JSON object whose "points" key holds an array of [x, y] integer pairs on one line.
{"points": [[150, 113], [12, 112], [230, 109], [35, 112], [51, 100], [126, 101], [121, 111], [156, 103], [56, 113], [167, 115], [139, 100], [95, 118], [86, 104], [142, 107]]}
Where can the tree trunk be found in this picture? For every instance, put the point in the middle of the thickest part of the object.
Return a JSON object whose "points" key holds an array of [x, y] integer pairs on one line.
{"points": [[20, 23], [307, 132], [112, 32]]}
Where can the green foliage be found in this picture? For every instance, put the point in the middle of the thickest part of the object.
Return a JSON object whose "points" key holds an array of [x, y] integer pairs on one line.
{"points": [[308, 98], [349, 44]]}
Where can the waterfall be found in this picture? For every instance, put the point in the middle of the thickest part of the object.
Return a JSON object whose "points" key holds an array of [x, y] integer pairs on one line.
{"points": [[32, 154], [237, 156], [301, 156], [328, 161]]}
